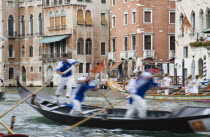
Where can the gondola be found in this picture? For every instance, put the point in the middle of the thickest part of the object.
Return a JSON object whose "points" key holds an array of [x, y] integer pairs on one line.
{"points": [[181, 120], [204, 98], [13, 135]]}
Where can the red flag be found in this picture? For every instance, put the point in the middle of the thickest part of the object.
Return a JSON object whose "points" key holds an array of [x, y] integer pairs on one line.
{"points": [[100, 67]]}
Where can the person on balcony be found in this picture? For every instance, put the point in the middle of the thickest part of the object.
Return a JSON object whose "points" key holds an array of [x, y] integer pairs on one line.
{"points": [[66, 79]]}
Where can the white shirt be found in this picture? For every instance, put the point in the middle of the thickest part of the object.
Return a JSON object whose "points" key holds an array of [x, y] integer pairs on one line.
{"points": [[131, 85], [167, 81]]}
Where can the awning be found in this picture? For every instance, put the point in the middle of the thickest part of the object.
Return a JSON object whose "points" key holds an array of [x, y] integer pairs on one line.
{"points": [[116, 65], [52, 39]]}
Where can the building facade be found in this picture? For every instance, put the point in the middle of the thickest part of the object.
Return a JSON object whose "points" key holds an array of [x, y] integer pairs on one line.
{"points": [[141, 33], [1, 41], [40, 31], [194, 59]]}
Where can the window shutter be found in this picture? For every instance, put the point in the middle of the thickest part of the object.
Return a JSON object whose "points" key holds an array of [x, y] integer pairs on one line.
{"points": [[51, 23], [63, 20], [88, 19], [80, 18], [57, 21], [172, 42], [148, 42], [103, 19]]}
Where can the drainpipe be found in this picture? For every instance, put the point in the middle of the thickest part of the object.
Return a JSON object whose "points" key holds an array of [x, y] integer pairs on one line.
{"points": [[183, 73]]}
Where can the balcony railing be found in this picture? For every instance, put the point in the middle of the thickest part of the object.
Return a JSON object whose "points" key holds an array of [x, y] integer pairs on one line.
{"points": [[57, 27], [22, 35], [132, 54], [51, 57], [149, 54], [12, 34], [171, 54], [124, 54], [21, 3], [39, 2], [30, 2], [111, 56]]}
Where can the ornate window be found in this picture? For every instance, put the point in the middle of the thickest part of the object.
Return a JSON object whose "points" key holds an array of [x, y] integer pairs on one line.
{"points": [[11, 50], [11, 26], [88, 46], [80, 46]]}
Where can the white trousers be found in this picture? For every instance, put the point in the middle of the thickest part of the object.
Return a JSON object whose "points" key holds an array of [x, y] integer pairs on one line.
{"points": [[166, 91], [77, 108], [139, 104], [68, 82]]}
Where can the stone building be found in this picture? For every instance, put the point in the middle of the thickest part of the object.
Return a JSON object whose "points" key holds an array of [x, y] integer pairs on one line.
{"points": [[40, 31], [141, 33], [196, 59], [1, 41]]}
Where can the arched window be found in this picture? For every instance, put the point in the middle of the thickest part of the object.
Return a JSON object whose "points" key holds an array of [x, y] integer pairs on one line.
{"points": [[11, 51], [40, 69], [58, 19], [88, 46], [181, 17], [88, 18], [200, 67], [31, 22], [40, 24], [207, 18], [32, 69], [201, 20], [63, 19], [193, 20], [52, 20], [31, 51], [80, 17], [11, 26], [23, 51], [23, 26], [80, 46]]}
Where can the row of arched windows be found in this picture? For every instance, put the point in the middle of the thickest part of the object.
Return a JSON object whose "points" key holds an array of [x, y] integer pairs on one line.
{"points": [[87, 48], [202, 17], [11, 25], [81, 20], [57, 19]]}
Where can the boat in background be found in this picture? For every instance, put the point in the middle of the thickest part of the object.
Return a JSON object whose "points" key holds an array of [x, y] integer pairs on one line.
{"points": [[204, 97]]}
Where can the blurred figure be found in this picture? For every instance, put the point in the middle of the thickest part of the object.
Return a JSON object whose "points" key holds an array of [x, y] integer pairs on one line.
{"points": [[189, 85], [195, 84], [167, 82]]}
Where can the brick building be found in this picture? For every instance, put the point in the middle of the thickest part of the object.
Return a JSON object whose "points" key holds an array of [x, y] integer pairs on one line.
{"points": [[142, 32], [40, 31]]}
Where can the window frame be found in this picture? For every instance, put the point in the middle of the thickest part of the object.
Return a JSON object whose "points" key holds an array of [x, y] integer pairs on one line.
{"points": [[124, 38], [9, 73], [169, 20], [125, 18], [185, 52], [104, 49], [169, 42], [133, 35], [134, 11], [114, 22], [81, 65], [151, 18], [144, 41], [113, 3]]}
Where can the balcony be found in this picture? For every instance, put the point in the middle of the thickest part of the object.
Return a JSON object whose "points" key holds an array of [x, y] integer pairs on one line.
{"points": [[30, 3], [67, 2], [149, 54], [22, 35], [39, 2], [111, 56], [124, 54], [131, 54], [171, 54], [21, 3], [51, 57], [12, 35]]}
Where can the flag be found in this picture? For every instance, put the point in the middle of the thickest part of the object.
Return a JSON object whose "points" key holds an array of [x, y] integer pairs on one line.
{"points": [[186, 23], [100, 67]]}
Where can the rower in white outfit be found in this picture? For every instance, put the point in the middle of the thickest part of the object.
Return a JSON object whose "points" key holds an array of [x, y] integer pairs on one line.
{"points": [[189, 85], [167, 83], [195, 84], [66, 79]]}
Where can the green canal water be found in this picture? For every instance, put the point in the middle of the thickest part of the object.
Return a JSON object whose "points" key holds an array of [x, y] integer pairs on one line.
{"points": [[30, 122]]}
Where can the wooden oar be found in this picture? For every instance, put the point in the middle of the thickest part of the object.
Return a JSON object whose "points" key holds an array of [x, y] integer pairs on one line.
{"points": [[88, 118], [32, 94], [7, 128]]}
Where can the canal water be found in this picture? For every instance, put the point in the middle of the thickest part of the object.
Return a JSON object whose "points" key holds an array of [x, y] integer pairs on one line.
{"points": [[30, 122]]}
